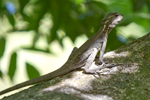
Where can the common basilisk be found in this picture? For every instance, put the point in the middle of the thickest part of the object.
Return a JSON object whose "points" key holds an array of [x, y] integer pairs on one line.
{"points": [[83, 56]]}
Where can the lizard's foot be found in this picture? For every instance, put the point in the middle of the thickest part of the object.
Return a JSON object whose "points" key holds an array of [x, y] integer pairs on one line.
{"points": [[96, 70], [107, 66], [90, 71], [93, 71]]}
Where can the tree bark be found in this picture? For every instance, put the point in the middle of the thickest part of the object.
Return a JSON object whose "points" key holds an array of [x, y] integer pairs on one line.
{"points": [[129, 81]]}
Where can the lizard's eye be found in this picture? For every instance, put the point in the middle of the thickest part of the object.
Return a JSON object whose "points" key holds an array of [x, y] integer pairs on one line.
{"points": [[116, 15]]}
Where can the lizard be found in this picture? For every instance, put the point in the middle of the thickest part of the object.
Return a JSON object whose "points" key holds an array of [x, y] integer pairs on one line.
{"points": [[83, 56]]}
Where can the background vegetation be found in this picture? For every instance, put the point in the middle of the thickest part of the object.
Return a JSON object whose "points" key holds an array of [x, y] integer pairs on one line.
{"points": [[54, 20]]}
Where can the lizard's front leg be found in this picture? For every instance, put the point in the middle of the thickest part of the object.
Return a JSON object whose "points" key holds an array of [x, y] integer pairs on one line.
{"points": [[102, 51], [92, 57], [90, 60]]}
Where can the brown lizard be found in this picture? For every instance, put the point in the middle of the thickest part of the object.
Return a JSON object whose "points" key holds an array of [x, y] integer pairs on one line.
{"points": [[82, 56]]}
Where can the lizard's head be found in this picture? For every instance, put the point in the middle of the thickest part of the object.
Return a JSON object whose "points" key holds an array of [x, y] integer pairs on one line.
{"points": [[112, 19]]}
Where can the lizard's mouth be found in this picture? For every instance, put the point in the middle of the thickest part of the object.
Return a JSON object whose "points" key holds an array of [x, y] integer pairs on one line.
{"points": [[117, 20]]}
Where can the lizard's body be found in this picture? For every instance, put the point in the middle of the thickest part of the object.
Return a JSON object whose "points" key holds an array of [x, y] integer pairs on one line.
{"points": [[83, 56]]}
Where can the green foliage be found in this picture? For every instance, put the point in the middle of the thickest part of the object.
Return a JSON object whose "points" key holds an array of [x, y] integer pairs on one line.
{"points": [[74, 18], [2, 46], [1, 74], [32, 71], [11, 20], [12, 66]]}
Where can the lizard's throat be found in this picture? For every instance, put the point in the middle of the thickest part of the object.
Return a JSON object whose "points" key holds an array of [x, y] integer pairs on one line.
{"points": [[107, 29]]}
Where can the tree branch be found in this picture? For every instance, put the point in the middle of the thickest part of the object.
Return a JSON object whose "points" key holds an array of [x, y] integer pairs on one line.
{"points": [[129, 81]]}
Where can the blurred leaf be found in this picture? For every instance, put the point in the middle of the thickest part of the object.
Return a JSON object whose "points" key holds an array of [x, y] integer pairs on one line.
{"points": [[22, 4], [35, 49], [36, 38], [148, 4], [32, 71], [100, 6], [138, 4], [115, 43], [40, 7], [1, 2], [57, 17], [61, 42], [2, 46], [1, 7], [11, 19], [1, 74], [12, 66]]}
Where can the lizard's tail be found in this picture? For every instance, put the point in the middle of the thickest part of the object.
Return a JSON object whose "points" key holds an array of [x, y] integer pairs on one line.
{"points": [[46, 77]]}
